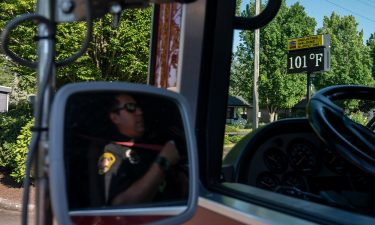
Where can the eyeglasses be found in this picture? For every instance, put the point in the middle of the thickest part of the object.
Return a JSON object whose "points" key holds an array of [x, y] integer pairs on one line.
{"points": [[130, 107]]}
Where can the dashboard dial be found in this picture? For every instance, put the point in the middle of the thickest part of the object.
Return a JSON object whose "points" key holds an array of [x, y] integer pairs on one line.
{"points": [[275, 160], [268, 181], [336, 163], [294, 180], [302, 157]]}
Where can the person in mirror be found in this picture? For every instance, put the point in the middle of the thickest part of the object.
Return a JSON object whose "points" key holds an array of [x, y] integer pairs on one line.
{"points": [[134, 174]]}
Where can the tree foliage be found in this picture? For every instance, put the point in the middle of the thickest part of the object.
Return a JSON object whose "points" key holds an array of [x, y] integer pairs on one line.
{"points": [[22, 44], [6, 78], [20, 149], [114, 54], [350, 58], [352, 62], [10, 126], [277, 89], [371, 44]]}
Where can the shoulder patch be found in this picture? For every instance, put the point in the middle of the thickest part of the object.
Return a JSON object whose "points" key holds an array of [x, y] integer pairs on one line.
{"points": [[105, 162]]}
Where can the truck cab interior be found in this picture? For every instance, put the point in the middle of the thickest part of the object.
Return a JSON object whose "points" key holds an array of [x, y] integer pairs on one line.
{"points": [[317, 163]]}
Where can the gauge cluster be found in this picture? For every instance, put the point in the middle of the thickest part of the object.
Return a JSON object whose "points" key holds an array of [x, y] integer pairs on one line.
{"points": [[285, 161], [300, 165], [287, 157]]}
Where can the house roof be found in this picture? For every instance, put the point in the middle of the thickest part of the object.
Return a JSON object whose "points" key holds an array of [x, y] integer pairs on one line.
{"points": [[301, 104], [5, 89], [237, 101]]}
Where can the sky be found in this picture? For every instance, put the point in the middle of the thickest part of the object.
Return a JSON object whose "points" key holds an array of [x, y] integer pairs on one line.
{"points": [[362, 10]]}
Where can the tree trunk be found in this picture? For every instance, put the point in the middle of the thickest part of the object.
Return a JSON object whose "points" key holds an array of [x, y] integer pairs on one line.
{"points": [[273, 116]]}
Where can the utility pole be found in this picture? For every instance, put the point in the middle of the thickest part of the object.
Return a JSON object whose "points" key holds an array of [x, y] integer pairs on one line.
{"points": [[256, 70], [308, 93]]}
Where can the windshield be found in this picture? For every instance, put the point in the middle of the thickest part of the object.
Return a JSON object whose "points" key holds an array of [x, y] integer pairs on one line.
{"points": [[286, 132], [308, 46]]}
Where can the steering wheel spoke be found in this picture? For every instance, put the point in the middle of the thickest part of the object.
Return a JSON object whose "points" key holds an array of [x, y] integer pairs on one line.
{"points": [[353, 141]]}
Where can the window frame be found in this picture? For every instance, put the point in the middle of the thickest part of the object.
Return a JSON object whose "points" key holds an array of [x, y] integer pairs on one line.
{"points": [[220, 23]]}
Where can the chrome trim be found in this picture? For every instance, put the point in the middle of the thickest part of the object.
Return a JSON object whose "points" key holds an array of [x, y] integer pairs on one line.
{"points": [[155, 211]]}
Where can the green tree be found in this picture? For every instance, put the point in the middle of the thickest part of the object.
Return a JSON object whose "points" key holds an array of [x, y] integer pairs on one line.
{"points": [[350, 58], [11, 124], [277, 89], [242, 73], [6, 78], [23, 44], [20, 149], [114, 54], [371, 44]]}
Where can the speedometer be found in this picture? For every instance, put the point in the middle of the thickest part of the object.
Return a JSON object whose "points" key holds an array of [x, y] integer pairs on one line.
{"points": [[275, 160], [303, 157], [335, 162]]}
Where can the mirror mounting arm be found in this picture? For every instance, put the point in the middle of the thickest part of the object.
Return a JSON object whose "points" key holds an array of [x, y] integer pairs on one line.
{"points": [[46, 75]]}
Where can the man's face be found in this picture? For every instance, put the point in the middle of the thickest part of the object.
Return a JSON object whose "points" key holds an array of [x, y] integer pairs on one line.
{"points": [[128, 123]]}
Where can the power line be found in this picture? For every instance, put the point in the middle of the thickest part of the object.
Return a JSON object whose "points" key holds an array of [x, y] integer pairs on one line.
{"points": [[366, 3], [369, 2], [354, 13]]}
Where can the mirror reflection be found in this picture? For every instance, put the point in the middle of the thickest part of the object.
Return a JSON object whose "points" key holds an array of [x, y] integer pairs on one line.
{"points": [[124, 149]]}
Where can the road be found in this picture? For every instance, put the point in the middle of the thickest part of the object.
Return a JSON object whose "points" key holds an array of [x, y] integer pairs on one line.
{"points": [[9, 217]]}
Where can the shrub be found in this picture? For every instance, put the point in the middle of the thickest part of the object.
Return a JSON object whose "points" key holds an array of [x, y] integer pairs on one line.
{"points": [[359, 118], [11, 124], [235, 138], [240, 123], [20, 150], [230, 128], [249, 125], [226, 140]]}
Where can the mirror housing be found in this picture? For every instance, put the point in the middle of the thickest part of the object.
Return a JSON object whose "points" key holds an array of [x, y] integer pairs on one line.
{"points": [[58, 161], [75, 10]]}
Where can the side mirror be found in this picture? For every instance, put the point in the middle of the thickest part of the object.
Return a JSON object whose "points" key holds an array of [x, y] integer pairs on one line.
{"points": [[121, 153]]}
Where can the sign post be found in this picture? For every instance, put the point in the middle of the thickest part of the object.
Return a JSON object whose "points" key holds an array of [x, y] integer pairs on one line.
{"points": [[309, 79], [309, 54]]}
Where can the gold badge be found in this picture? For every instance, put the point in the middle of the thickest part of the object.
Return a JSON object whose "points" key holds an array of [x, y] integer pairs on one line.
{"points": [[105, 162]]}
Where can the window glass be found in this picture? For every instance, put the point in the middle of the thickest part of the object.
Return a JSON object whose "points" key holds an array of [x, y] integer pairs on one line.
{"points": [[309, 46]]}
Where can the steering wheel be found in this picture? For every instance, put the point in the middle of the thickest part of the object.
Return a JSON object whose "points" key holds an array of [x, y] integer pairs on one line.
{"points": [[353, 141]]}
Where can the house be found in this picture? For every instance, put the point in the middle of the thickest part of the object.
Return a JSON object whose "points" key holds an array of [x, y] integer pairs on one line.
{"points": [[299, 109], [237, 109], [4, 98]]}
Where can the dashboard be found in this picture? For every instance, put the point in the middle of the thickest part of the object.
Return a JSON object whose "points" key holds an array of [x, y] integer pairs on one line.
{"points": [[287, 157]]}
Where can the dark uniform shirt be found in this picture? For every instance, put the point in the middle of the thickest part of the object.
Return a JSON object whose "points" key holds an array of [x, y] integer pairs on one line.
{"points": [[121, 166]]}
